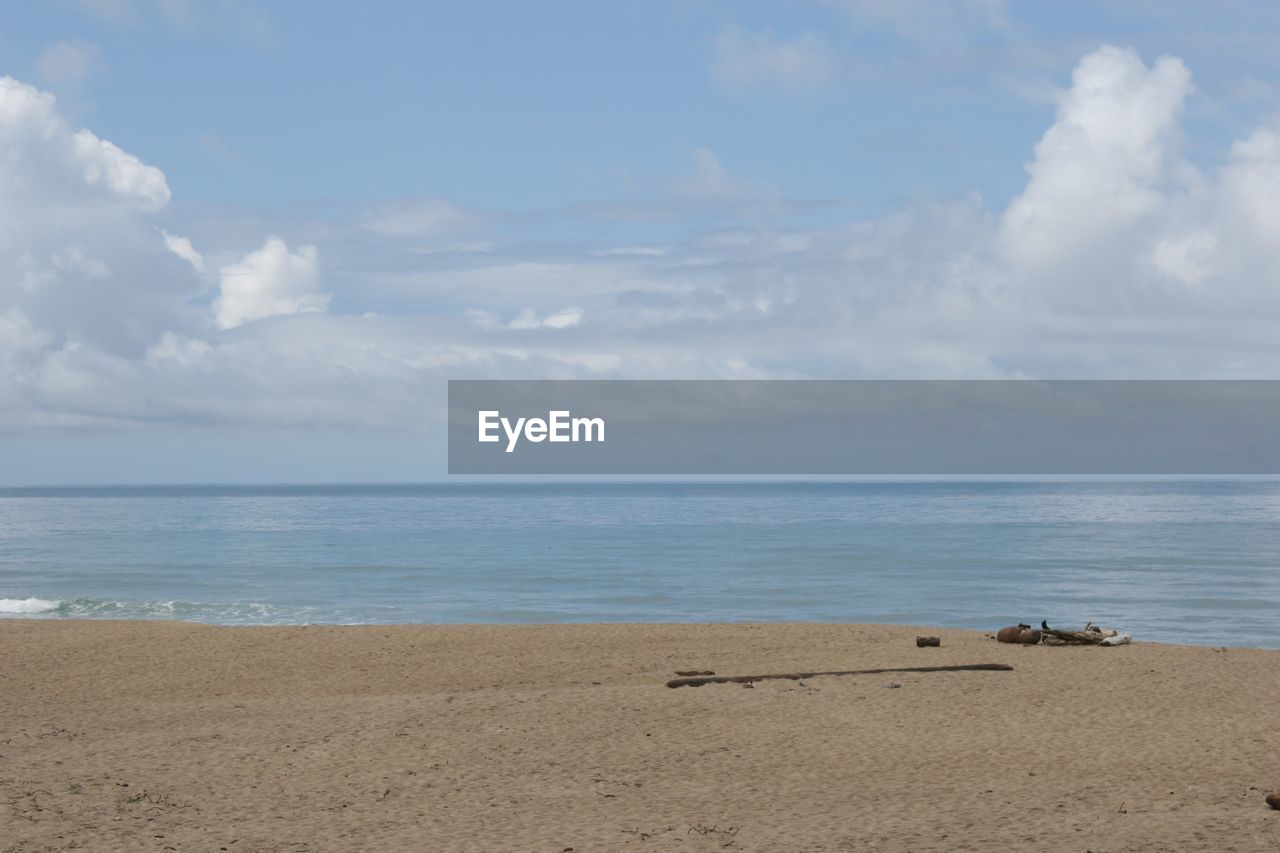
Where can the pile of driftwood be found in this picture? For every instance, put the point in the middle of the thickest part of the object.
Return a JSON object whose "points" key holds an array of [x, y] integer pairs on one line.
{"points": [[1092, 635]]}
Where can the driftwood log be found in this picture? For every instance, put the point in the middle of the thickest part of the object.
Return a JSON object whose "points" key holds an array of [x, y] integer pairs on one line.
{"points": [[1072, 638], [1021, 634], [796, 676], [922, 642]]}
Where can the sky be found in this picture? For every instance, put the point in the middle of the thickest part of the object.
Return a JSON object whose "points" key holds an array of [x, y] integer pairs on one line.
{"points": [[250, 242]]}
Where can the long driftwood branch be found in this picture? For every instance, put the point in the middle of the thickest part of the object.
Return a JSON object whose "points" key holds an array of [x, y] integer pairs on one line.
{"points": [[794, 676]]}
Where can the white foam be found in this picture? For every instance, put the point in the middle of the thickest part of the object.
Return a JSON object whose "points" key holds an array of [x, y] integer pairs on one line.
{"points": [[28, 605]]}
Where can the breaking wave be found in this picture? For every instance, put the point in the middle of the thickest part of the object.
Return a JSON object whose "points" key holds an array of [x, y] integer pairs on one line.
{"points": [[233, 613], [28, 605]]}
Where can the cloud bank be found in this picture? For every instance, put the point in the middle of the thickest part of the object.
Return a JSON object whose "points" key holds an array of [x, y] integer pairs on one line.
{"points": [[1118, 258]]}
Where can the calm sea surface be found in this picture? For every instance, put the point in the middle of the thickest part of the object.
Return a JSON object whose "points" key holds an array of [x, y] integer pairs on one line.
{"points": [[1191, 561]]}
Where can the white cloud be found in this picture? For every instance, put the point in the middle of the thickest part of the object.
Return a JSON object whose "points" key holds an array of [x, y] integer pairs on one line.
{"points": [[68, 63], [746, 60], [565, 318], [43, 151], [78, 258], [270, 282], [104, 164], [182, 247], [1105, 163]]}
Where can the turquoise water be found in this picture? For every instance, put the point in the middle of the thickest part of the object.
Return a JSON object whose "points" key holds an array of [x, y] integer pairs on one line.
{"points": [[1189, 561]]}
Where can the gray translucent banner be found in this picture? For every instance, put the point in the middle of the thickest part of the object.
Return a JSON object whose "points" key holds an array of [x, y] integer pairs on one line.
{"points": [[857, 427]]}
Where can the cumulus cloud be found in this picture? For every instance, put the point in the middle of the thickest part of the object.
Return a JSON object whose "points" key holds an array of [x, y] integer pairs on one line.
{"points": [[96, 308], [1113, 215], [1107, 160], [78, 259], [45, 155], [103, 164], [746, 60], [270, 282]]}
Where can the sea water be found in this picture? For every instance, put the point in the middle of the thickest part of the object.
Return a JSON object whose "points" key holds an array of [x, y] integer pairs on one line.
{"points": [[1185, 561]]}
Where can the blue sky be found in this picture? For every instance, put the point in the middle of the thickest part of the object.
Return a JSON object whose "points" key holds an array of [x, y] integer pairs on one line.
{"points": [[289, 224], [529, 106]]}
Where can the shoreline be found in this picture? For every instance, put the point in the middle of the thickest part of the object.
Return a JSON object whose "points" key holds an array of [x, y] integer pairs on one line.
{"points": [[157, 734], [920, 629]]}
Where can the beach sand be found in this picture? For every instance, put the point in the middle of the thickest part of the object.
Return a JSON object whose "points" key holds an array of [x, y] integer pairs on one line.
{"points": [[170, 736]]}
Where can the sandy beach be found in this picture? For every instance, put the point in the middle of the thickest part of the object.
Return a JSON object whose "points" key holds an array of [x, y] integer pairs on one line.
{"points": [[172, 736]]}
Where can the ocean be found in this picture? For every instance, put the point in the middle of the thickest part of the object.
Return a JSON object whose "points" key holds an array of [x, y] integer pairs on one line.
{"points": [[1194, 561]]}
